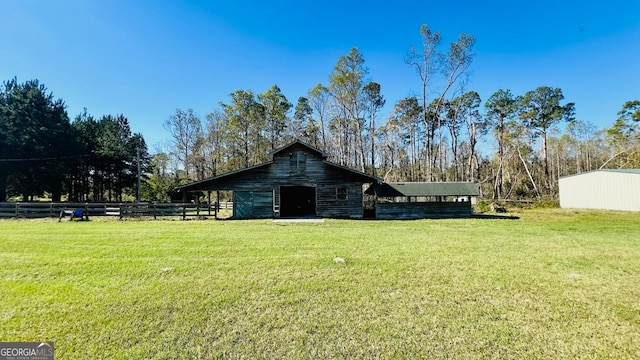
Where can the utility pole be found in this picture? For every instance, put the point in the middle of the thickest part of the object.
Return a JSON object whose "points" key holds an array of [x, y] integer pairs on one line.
{"points": [[138, 195]]}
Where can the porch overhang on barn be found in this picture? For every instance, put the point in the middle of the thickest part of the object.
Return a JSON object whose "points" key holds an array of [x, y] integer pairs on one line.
{"points": [[423, 189], [213, 183]]}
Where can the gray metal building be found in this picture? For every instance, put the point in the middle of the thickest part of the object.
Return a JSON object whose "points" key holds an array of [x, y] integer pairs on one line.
{"points": [[611, 189]]}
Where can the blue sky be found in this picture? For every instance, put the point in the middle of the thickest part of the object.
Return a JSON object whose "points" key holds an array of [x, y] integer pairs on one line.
{"points": [[145, 59]]}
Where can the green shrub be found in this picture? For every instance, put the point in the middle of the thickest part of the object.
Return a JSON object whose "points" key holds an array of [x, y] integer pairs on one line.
{"points": [[482, 206]]}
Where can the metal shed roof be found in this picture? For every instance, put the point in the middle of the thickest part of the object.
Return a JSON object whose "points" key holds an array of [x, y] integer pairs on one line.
{"points": [[623, 171], [626, 171], [423, 189]]}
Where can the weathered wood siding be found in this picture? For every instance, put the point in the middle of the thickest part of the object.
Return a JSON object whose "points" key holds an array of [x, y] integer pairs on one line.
{"points": [[328, 204], [253, 204], [423, 210], [295, 167]]}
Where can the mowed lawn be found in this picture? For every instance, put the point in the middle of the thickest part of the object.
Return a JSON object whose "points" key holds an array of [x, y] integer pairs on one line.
{"points": [[553, 284]]}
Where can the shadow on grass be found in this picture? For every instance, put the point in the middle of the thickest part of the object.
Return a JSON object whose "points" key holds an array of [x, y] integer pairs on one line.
{"points": [[495, 217]]}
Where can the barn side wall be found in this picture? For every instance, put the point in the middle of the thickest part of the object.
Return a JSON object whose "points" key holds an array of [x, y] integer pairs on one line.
{"points": [[423, 210], [328, 204], [601, 190]]}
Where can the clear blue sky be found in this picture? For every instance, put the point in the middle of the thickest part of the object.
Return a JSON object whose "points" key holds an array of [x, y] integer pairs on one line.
{"points": [[146, 58]]}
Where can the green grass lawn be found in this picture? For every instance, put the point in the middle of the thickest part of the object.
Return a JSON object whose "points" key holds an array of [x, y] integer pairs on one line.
{"points": [[553, 284]]}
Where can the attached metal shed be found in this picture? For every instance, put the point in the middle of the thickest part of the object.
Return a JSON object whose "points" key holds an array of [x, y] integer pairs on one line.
{"points": [[420, 200], [612, 189]]}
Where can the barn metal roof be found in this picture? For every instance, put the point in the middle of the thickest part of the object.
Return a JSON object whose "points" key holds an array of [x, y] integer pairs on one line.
{"points": [[212, 182], [312, 148], [202, 184], [423, 189], [624, 171]]}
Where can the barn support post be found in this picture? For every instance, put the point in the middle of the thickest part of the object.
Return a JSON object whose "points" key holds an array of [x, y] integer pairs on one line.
{"points": [[217, 205], [209, 202], [184, 206]]}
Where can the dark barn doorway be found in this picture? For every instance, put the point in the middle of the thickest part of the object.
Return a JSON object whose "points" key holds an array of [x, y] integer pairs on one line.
{"points": [[297, 201]]}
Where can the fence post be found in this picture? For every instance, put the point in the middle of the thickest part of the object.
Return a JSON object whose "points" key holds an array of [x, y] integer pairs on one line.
{"points": [[184, 212]]}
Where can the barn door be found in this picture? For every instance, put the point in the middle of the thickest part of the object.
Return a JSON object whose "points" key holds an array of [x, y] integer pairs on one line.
{"points": [[297, 201], [242, 205], [252, 204]]}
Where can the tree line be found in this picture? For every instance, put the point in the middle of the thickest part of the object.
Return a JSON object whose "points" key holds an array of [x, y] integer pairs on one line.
{"points": [[514, 145], [44, 154]]}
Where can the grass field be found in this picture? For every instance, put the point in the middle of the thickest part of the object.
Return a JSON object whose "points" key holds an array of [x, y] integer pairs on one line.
{"points": [[553, 284]]}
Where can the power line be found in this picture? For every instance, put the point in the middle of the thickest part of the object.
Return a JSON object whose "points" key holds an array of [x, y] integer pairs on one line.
{"points": [[45, 158]]}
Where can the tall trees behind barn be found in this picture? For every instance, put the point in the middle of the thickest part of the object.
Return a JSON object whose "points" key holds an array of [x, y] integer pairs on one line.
{"points": [[515, 145]]}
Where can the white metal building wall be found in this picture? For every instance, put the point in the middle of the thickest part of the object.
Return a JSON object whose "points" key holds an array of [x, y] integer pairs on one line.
{"points": [[601, 189]]}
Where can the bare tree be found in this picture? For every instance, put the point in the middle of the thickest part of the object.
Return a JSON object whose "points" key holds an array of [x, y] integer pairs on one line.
{"points": [[216, 141], [186, 130], [426, 62], [319, 97], [451, 65], [501, 106]]}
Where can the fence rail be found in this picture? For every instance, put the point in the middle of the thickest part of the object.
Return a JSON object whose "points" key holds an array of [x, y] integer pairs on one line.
{"points": [[121, 210]]}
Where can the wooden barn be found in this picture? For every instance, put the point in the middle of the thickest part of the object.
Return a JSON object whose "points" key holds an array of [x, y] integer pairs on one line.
{"points": [[299, 181], [423, 200]]}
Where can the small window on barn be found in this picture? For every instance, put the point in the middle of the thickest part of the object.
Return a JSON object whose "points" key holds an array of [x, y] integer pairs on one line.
{"points": [[341, 193], [297, 163]]}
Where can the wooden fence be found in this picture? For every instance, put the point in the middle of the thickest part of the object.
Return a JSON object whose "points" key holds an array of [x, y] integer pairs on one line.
{"points": [[423, 210], [121, 210]]}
